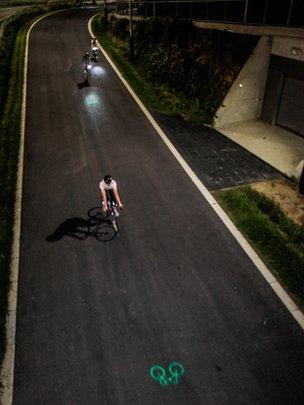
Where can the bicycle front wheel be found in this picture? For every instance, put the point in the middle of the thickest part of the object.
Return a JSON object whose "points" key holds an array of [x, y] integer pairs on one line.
{"points": [[115, 226]]}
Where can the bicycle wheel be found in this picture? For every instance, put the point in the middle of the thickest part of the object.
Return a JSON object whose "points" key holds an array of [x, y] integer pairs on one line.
{"points": [[104, 232], [96, 214]]}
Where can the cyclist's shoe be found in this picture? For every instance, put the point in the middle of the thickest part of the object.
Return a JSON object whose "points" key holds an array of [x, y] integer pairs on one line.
{"points": [[116, 212]]}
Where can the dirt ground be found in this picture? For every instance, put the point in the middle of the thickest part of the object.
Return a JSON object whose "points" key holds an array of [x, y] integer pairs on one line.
{"points": [[285, 193]]}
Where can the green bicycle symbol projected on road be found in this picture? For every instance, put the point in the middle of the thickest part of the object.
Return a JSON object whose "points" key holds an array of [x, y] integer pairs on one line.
{"points": [[176, 371]]}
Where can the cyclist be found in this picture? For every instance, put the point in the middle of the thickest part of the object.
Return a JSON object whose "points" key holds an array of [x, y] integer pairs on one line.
{"points": [[94, 45], [87, 68], [86, 59], [108, 187]]}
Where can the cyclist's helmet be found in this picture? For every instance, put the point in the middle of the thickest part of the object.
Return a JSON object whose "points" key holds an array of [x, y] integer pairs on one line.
{"points": [[107, 178]]}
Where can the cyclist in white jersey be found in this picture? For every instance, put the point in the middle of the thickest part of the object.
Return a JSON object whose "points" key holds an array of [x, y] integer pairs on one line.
{"points": [[94, 45], [110, 185]]}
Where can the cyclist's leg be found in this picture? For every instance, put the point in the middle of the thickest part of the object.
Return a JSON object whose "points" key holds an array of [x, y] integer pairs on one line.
{"points": [[113, 202], [111, 197]]}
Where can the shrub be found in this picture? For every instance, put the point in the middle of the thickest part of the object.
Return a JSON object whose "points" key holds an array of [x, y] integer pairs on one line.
{"points": [[118, 27], [201, 64]]}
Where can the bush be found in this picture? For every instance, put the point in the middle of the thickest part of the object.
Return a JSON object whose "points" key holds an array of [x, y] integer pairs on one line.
{"points": [[201, 64], [119, 28]]}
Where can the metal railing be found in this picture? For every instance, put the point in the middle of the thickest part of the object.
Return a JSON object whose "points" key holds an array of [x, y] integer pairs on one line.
{"points": [[258, 12]]}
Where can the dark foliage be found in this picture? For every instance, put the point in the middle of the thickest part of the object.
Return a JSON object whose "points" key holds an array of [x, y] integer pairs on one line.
{"points": [[201, 64]]}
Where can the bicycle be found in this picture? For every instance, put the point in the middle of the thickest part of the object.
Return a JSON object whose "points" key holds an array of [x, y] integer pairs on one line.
{"points": [[87, 74], [95, 57], [110, 217], [99, 225]]}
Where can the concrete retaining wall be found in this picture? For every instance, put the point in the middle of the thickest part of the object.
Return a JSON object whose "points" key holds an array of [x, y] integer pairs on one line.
{"points": [[245, 98], [291, 48]]}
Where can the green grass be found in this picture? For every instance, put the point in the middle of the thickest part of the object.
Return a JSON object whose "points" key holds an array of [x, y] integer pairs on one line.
{"points": [[12, 49], [9, 145], [278, 240], [153, 95]]}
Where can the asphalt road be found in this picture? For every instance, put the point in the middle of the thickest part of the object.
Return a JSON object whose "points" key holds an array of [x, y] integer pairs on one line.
{"points": [[93, 316]]}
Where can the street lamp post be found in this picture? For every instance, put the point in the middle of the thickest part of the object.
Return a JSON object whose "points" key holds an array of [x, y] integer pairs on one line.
{"points": [[105, 13], [131, 37]]}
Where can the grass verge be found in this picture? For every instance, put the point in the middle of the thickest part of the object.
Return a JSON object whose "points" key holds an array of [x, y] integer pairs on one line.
{"points": [[278, 240], [153, 95], [12, 49]]}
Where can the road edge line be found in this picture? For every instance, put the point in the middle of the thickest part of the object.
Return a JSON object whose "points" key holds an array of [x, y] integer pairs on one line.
{"points": [[253, 256], [7, 370]]}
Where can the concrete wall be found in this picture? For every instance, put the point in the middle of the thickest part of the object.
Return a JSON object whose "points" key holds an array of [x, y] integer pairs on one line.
{"points": [[291, 48], [245, 98], [261, 30]]}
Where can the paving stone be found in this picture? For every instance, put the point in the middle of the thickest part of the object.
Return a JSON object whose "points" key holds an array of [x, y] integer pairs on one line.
{"points": [[218, 161]]}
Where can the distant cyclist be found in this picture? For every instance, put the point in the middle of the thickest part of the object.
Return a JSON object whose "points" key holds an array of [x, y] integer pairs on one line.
{"points": [[94, 45], [86, 59], [108, 189]]}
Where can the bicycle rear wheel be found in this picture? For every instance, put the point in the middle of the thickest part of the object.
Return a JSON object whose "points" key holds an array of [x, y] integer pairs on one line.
{"points": [[96, 214], [105, 232]]}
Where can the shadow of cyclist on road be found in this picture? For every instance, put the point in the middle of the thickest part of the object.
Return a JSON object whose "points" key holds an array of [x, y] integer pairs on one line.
{"points": [[83, 84], [95, 225]]}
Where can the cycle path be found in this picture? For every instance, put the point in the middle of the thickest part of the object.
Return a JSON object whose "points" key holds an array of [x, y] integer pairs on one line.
{"points": [[93, 317]]}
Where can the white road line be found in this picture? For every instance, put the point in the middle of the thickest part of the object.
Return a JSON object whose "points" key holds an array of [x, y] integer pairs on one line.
{"points": [[7, 371], [254, 257]]}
